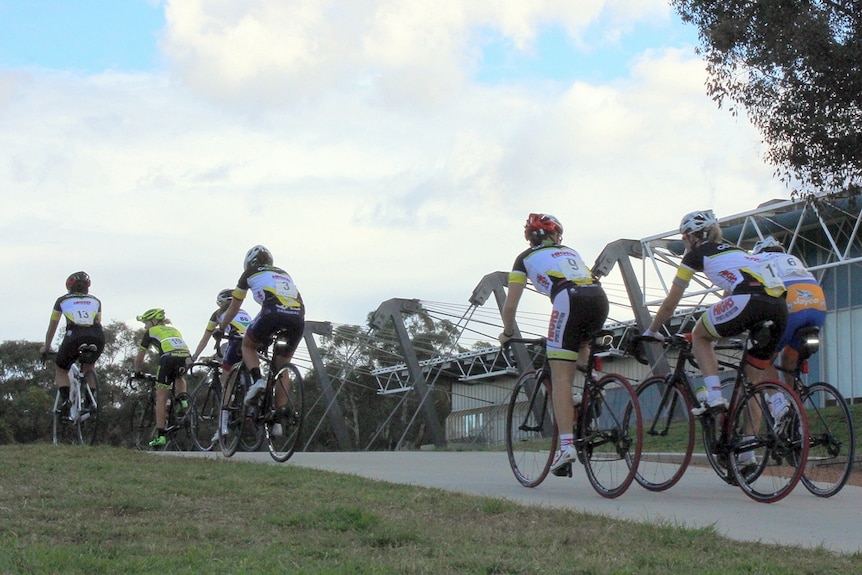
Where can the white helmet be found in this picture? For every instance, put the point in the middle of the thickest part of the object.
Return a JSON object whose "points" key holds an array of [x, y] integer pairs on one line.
{"points": [[258, 256], [767, 244], [697, 221], [224, 296]]}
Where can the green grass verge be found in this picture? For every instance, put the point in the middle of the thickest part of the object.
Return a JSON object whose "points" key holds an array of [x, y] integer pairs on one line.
{"points": [[105, 510]]}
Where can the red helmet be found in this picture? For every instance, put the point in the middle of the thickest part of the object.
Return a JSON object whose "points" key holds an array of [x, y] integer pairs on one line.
{"points": [[539, 226], [78, 282]]}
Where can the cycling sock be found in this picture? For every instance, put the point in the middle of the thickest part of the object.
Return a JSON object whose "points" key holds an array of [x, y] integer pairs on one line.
{"points": [[566, 440], [713, 384]]}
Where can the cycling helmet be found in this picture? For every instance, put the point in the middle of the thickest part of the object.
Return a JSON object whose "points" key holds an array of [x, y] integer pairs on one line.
{"points": [[539, 226], [258, 256], [767, 244], [224, 296], [78, 282], [154, 314], [697, 222]]}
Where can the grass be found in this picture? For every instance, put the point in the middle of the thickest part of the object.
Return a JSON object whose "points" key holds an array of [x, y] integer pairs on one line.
{"points": [[106, 510]]}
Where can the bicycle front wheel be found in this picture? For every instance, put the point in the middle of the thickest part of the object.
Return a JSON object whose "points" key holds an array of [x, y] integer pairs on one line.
{"points": [[89, 418], [668, 433], [283, 409], [610, 435], [206, 399], [831, 440], [229, 434], [143, 421], [531, 432], [767, 456]]}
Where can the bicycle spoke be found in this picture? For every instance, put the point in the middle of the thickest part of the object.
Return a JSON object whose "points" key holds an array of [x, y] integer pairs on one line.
{"points": [[831, 447], [612, 435], [284, 409], [668, 434], [531, 433]]}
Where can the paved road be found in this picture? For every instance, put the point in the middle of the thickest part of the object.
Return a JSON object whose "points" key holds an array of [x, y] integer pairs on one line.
{"points": [[700, 499]]}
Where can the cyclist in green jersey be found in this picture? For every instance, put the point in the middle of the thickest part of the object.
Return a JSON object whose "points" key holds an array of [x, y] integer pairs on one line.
{"points": [[173, 353]]}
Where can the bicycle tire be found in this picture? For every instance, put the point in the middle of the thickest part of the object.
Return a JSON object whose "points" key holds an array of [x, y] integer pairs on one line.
{"points": [[780, 453], [283, 413], [206, 398], [88, 422], [610, 435], [668, 433], [531, 432], [63, 430], [179, 431], [142, 421], [831, 435], [236, 383]]}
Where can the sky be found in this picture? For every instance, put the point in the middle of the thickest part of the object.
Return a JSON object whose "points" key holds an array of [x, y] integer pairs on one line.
{"points": [[379, 148]]}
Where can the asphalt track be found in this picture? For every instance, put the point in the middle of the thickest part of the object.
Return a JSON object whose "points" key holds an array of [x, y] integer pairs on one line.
{"points": [[700, 499]]}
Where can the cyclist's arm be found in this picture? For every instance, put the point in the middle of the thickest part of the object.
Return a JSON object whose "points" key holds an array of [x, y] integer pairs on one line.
{"points": [[674, 295], [510, 306], [231, 312], [49, 335], [202, 343]]}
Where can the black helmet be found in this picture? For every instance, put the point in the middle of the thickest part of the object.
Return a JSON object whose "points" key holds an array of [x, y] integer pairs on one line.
{"points": [[258, 256], [78, 282]]}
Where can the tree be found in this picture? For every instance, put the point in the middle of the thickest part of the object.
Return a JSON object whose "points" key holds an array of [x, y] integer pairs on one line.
{"points": [[795, 66]]}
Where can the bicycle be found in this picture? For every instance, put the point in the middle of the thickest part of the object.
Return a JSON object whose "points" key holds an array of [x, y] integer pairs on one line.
{"points": [[730, 437], [179, 431], [80, 423], [831, 434], [276, 414], [608, 430]]}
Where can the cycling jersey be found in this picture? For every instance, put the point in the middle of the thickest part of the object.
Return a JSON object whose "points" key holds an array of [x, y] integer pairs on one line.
{"points": [[806, 302], [550, 268], [270, 286], [237, 325], [166, 339], [730, 269], [78, 309], [580, 305]]}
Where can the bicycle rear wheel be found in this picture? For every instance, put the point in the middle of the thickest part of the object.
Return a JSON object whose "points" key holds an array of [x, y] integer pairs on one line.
{"points": [[668, 433], [531, 432], [206, 399], [767, 459], [89, 417], [229, 434], [143, 421], [611, 434], [64, 431], [180, 433], [284, 409], [832, 440]]}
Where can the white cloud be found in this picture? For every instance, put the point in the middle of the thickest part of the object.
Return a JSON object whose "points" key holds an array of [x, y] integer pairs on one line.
{"points": [[350, 139]]}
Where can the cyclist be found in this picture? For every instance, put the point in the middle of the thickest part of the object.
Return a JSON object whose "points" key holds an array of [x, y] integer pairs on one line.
{"points": [[580, 308], [806, 307], [173, 353], [233, 352], [282, 310], [753, 293], [83, 313]]}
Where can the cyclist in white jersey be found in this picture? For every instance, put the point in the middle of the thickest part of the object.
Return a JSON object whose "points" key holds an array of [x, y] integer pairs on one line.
{"points": [[754, 293], [282, 310], [580, 308], [83, 314]]}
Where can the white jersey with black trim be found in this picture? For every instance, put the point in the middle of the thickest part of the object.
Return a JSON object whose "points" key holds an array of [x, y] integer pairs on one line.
{"points": [[548, 265]]}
